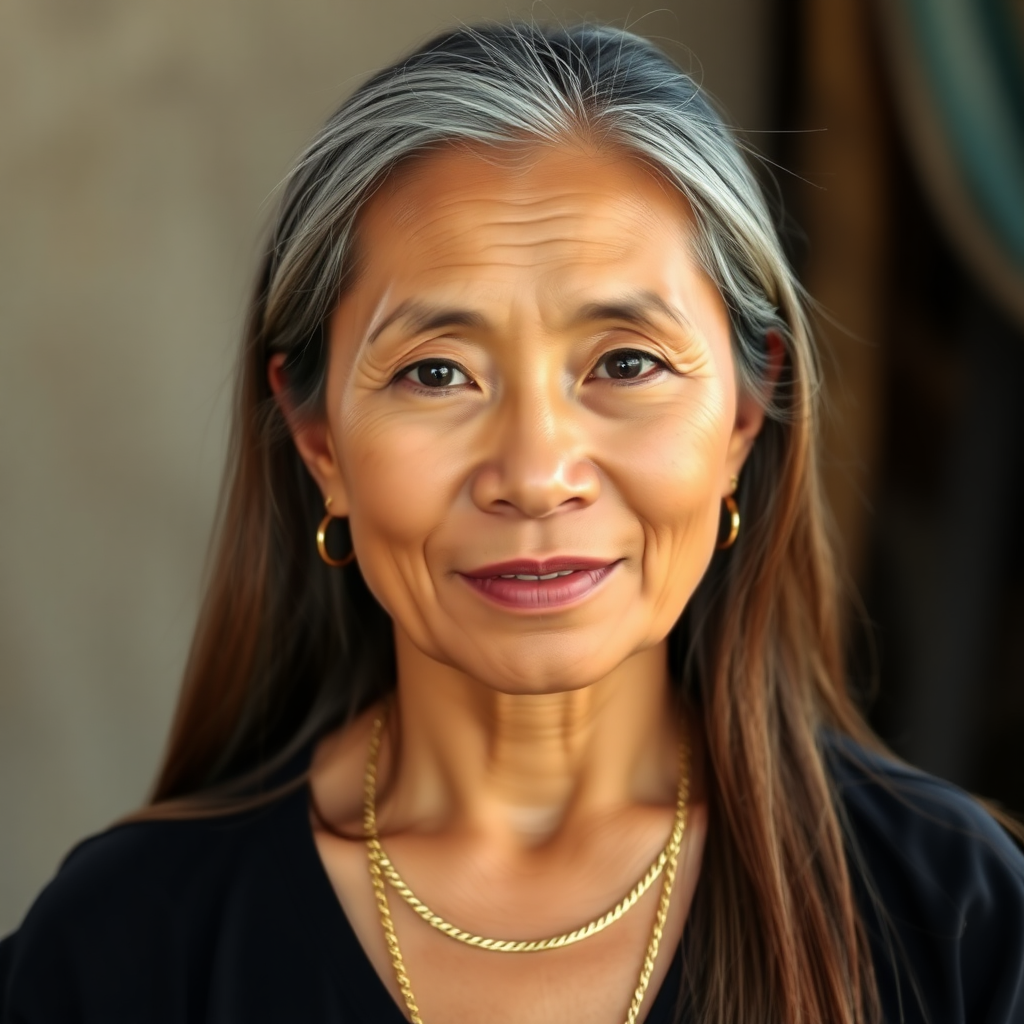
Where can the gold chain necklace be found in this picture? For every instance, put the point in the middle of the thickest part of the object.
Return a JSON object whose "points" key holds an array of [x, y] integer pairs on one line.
{"points": [[381, 869]]}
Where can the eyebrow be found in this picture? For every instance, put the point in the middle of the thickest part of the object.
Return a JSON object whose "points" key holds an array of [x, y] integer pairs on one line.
{"points": [[423, 317], [637, 308]]}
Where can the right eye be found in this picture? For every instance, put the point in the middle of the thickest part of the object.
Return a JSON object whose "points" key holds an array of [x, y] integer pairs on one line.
{"points": [[435, 374]]}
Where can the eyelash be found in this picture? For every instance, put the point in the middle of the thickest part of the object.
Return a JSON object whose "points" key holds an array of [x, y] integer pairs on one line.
{"points": [[404, 373]]}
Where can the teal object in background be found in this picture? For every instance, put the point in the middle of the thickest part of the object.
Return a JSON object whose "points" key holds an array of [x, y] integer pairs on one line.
{"points": [[972, 56]]}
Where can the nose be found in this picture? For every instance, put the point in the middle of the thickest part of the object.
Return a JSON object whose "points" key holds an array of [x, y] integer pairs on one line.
{"points": [[539, 460]]}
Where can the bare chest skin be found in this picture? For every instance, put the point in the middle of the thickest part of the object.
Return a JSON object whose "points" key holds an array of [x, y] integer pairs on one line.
{"points": [[546, 891]]}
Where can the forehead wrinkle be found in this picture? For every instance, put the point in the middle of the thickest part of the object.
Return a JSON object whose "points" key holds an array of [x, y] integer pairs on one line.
{"points": [[587, 225], [463, 245], [467, 251], [517, 194], [543, 258], [516, 211], [506, 168]]}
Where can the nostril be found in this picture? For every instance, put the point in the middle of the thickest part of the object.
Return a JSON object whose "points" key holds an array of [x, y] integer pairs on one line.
{"points": [[535, 484]]}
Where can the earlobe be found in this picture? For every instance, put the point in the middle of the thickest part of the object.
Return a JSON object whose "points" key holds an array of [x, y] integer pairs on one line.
{"points": [[312, 438], [749, 421]]}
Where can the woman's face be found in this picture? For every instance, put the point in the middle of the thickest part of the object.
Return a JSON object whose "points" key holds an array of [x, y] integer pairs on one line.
{"points": [[531, 368]]}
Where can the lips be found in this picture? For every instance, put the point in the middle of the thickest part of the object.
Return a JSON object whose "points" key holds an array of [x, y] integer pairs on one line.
{"points": [[535, 567], [529, 585]]}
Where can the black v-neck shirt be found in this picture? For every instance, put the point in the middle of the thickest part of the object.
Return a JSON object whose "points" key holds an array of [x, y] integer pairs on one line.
{"points": [[233, 919]]}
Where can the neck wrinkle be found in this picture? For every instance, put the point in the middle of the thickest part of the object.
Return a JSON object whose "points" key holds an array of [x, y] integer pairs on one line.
{"points": [[521, 767]]}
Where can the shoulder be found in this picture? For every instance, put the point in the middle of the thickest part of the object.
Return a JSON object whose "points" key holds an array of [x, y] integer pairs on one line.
{"points": [[142, 866], [130, 913], [917, 814], [940, 885]]}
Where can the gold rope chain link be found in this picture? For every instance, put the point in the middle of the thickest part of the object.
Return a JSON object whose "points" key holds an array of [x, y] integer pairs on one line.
{"points": [[516, 945], [381, 868]]}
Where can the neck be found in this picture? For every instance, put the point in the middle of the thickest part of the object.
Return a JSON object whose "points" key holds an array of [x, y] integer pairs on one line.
{"points": [[523, 766]]}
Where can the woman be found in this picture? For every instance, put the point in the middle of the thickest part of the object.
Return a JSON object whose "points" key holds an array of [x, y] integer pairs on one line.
{"points": [[558, 731]]}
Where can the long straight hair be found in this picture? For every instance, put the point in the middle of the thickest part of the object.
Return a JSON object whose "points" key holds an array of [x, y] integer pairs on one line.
{"points": [[287, 648]]}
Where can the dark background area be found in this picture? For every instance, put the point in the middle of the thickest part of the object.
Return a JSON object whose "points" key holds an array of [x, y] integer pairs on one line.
{"points": [[924, 442]]}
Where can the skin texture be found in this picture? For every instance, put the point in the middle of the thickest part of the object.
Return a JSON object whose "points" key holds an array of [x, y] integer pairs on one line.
{"points": [[529, 771]]}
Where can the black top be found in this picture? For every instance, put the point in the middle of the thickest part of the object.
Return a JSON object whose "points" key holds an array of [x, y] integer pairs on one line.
{"points": [[233, 919]]}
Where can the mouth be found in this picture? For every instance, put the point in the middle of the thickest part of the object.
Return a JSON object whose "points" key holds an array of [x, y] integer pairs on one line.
{"points": [[534, 569], [532, 585]]}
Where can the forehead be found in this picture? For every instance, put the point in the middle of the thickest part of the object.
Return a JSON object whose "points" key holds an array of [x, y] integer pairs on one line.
{"points": [[528, 206]]}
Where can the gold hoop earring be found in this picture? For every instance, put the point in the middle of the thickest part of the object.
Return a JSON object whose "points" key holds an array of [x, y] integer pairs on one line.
{"points": [[734, 523], [321, 540]]}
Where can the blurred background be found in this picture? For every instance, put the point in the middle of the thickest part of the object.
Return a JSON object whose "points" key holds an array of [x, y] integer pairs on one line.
{"points": [[140, 145]]}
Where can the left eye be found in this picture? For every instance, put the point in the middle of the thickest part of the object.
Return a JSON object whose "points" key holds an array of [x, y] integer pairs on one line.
{"points": [[435, 373], [625, 364]]}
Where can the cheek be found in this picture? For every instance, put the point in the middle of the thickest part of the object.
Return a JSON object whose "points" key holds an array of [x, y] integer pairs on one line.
{"points": [[672, 484], [401, 479], [671, 462]]}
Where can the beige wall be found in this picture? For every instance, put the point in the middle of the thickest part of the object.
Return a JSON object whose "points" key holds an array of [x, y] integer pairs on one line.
{"points": [[140, 141]]}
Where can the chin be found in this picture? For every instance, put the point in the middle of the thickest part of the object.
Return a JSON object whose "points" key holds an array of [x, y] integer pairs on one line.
{"points": [[563, 672]]}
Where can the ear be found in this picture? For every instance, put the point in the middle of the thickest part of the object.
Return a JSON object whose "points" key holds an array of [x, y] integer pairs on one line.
{"points": [[750, 413], [312, 437]]}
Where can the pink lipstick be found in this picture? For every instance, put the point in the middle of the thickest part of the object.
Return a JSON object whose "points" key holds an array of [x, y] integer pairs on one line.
{"points": [[539, 585]]}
